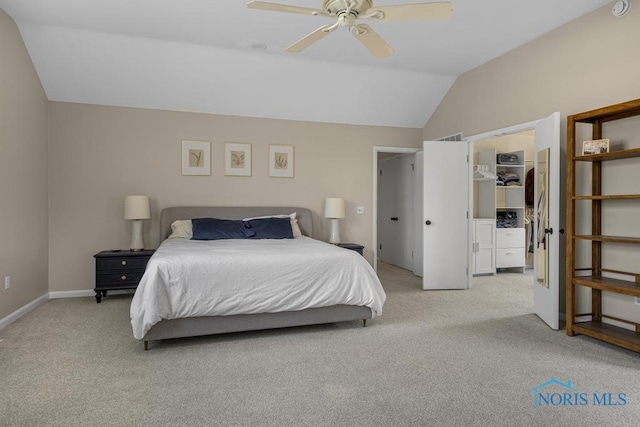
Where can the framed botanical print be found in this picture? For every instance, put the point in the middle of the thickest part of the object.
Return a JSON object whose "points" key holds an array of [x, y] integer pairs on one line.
{"points": [[196, 157], [281, 161], [237, 159]]}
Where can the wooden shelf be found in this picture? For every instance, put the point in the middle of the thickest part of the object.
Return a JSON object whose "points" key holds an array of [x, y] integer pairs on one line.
{"points": [[609, 333], [595, 178], [610, 239], [612, 155], [608, 284], [608, 197], [607, 114]]}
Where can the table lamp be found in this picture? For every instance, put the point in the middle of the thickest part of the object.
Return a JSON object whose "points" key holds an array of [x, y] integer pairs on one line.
{"points": [[334, 210], [136, 209]]}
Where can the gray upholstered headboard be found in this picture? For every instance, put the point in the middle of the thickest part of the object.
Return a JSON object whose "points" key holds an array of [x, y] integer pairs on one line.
{"points": [[168, 215]]}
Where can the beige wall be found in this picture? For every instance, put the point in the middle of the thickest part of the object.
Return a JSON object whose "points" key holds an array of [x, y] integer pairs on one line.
{"points": [[586, 64], [100, 154], [23, 174]]}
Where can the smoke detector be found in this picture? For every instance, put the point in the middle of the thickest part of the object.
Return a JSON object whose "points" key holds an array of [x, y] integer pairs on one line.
{"points": [[621, 8]]}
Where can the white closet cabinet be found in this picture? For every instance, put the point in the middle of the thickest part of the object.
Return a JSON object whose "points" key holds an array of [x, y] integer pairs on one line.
{"points": [[484, 247], [496, 201]]}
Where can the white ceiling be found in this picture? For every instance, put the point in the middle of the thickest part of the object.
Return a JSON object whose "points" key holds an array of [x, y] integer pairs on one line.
{"points": [[198, 55]]}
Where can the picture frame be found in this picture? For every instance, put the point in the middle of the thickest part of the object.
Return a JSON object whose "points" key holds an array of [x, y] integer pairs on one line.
{"points": [[281, 161], [596, 146], [237, 159], [196, 157]]}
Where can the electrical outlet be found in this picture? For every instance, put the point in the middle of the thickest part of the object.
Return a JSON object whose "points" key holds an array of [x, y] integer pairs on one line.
{"points": [[360, 210], [7, 282], [636, 300]]}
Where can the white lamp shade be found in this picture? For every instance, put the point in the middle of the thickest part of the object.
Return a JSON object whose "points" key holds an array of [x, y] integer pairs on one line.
{"points": [[136, 207], [334, 208]]}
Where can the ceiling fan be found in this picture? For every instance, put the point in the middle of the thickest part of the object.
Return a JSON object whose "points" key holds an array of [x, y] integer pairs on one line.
{"points": [[348, 12]]}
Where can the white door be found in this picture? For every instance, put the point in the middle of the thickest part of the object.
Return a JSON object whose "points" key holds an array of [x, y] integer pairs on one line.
{"points": [[547, 230], [418, 175], [395, 211], [446, 224]]}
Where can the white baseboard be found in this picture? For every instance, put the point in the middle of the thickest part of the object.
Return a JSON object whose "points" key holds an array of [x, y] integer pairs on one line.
{"points": [[51, 295], [23, 310], [71, 294]]}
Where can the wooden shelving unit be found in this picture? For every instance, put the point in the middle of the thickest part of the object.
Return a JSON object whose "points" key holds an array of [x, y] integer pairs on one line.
{"points": [[596, 281]]}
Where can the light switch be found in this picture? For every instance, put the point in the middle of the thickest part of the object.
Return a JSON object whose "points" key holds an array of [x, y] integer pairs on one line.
{"points": [[360, 210]]}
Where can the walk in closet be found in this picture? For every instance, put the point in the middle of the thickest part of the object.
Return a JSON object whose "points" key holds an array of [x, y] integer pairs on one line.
{"points": [[502, 220]]}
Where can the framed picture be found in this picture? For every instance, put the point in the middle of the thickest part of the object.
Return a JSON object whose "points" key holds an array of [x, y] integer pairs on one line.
{"points": [[196, 158], [597, 146], [237, 159], [281, 161]]}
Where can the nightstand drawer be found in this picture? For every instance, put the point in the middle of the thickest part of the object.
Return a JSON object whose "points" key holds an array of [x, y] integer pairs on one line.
{"points": [[123, 263], [122, 278]]}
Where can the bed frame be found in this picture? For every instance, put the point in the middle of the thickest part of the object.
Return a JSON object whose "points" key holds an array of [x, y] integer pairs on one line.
{"points": [[209, 325]]}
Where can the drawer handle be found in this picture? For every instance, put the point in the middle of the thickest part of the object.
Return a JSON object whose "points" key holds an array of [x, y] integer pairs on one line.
{"points": [[123, 277], [123, 262]]}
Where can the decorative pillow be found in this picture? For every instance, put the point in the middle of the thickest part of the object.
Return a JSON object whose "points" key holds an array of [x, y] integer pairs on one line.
{"points": [[271, 228], [219, 229], [295, 228], [181, 229]]}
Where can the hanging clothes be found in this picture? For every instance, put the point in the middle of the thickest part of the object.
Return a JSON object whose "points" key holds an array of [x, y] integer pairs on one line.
{"points": [[529, 185]]}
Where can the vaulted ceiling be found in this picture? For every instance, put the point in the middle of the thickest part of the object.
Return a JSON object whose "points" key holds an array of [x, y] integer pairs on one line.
{"points": [[218, 56]]}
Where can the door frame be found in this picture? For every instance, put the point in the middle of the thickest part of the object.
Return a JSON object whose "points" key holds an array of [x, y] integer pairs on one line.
{"points": [[381, 149], [515, 129]]}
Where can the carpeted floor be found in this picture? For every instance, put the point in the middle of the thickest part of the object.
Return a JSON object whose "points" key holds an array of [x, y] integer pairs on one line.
{"points": [[433, 358]]}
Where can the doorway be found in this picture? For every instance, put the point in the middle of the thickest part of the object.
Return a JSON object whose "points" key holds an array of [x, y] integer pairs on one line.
{"points": [[505, 199], [396, 209], [396, 198], [546, 209]]}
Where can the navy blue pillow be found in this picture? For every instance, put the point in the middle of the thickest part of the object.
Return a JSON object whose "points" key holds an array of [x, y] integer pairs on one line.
{"points": [[271, 228], [219, 229]]}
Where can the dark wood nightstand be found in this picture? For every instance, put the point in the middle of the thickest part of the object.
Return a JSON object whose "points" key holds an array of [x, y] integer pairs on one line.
{"points": [[119, 270], [353, 246]]}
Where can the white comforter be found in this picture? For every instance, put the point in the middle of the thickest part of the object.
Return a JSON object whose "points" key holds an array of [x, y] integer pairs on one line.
{"points": [[190, 278]]}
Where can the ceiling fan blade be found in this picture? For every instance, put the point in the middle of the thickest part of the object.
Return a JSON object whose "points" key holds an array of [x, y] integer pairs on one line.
{"points": [[262, 5], [372, 41], [311, 38], [411, 12]]}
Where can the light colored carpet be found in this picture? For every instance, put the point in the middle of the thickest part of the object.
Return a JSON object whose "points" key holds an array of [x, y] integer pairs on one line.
{"points": [[433, 358]]}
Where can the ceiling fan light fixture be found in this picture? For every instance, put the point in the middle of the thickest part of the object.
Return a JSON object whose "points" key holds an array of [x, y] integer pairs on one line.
{"points": [[347, 14]]}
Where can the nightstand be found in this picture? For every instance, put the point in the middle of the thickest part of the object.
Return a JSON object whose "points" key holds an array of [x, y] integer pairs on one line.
{"points": [[352, 246], [119, 270]]}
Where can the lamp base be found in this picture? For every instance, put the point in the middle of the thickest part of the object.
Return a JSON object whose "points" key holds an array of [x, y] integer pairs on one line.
{"points": [[137, 242], [335, 232]]}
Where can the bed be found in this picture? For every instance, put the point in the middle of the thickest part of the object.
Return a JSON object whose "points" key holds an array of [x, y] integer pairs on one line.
{"points": [[193, 288]]}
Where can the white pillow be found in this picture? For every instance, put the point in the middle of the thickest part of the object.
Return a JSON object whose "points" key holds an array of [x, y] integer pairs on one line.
{"points": [[181, 229], [295, 228]]}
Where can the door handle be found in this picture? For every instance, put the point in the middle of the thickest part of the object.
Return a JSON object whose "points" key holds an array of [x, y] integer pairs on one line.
{"points": [[428, 222], [562, 231], [548, 231], [395, 218]]}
